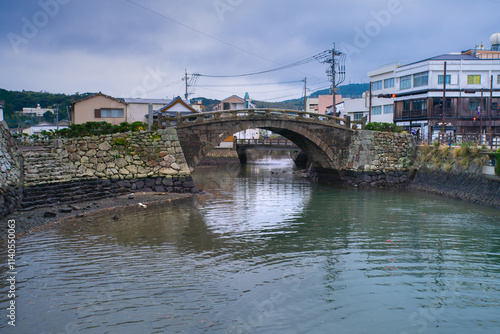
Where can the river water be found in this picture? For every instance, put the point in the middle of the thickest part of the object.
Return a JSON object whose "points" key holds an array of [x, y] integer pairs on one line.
{"points": [[265, 252]]}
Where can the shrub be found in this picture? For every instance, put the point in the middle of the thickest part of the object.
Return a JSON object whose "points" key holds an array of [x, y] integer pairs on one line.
{"points": [[387, 127], [96, 129]]}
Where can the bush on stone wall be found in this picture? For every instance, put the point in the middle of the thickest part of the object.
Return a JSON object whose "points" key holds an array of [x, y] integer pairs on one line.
{"points": [[386, 127], [451, 159], [95, 129]]}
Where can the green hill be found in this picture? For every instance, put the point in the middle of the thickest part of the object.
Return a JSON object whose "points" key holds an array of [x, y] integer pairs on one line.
{"points": [[16, 101], [351, 90]]}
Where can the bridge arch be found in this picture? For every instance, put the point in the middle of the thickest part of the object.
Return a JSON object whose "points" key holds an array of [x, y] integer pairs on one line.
{"points": [[325, 144]]}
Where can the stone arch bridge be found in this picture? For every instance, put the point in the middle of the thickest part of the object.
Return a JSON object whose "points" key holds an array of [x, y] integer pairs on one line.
{"points": [[333, 148]]}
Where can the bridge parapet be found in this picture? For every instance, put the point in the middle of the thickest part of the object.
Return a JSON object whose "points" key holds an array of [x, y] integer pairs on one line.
{"points": [[252, 114]]}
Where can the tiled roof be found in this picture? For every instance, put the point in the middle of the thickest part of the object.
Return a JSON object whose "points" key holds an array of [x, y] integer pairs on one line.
{"points": [[98, 94]]}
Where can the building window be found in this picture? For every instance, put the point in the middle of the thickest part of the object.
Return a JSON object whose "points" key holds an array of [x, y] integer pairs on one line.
{"points": [[437, 104], [377, 110], [226, 106], [498, 79], [420, 104], [474, 79], [112, 113], [405, 82], [389, 83], [377, 85], [474, 104], [389, 109], [358, 116], [421, 79], [440, 79], [406, 105]]}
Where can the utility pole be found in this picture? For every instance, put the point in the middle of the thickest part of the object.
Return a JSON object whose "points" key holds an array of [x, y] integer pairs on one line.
{"points": [[305, 94], [328, 57], [370, 105], [489, 107], [186, 80], [333, 75], [481, 116], [443, 129]]}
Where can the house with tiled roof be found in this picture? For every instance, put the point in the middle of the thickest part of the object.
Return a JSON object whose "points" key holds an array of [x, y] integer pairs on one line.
{"points": [[101, 107]]}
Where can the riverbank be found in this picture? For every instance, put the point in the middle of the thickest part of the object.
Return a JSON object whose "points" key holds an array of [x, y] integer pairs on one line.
{"points": [[28, 222], [455, 172], [218, 157]]}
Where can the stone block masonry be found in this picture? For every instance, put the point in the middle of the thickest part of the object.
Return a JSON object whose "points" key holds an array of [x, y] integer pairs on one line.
{"points": [[11, 177], [77, 169], [379, 159]]}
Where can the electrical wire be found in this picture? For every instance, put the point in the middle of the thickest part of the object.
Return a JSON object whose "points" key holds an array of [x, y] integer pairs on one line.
{"points": [[254, 84], [284, 67], [200, 32]]}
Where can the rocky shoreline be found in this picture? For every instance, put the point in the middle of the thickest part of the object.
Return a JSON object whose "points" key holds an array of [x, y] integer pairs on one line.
{"points": [[28, 222]]}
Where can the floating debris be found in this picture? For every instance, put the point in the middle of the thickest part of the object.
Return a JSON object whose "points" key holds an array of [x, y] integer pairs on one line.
{"points": [[142, 205]]}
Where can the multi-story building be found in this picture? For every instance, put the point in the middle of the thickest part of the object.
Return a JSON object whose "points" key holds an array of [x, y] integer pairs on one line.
{"points": [[321, 103], [383, 87], [470, 105]]}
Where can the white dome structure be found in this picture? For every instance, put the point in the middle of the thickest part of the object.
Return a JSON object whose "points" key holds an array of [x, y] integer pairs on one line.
{"points": [[495, 41]]}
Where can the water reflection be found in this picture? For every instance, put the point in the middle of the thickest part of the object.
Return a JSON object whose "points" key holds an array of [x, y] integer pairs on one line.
{"points": [[266, 252]]}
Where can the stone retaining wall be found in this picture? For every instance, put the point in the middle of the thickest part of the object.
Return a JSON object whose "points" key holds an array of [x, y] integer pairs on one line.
{"points": [[10, 172], [95, 167], [379, 159]]}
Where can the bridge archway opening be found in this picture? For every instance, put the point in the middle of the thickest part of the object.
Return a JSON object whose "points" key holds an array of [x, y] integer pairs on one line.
{"points": [[319, 153]]}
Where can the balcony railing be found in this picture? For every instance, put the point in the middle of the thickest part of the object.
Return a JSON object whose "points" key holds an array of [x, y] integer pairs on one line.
{"points": [[438, 112], [414, 113]]}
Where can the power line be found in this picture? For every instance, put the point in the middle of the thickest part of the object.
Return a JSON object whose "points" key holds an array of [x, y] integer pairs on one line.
{"points": [[200, 32], [281, 97], [254, 84], [284, 67]]}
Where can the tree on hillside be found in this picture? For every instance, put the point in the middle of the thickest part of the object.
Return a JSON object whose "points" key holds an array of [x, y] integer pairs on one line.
{"points": [[48, 116]]}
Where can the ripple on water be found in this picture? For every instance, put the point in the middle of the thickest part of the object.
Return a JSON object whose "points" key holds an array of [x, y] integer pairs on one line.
{"points": [[267, 254]]}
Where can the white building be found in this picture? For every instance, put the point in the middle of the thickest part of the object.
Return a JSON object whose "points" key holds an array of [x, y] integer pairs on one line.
{"points": [[44, 126], [38, 111], [354, 108], [419, 95], [137, 109], [383, 84]]}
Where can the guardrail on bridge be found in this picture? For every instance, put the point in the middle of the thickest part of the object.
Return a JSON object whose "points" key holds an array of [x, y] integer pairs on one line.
{"points": [[226, 115]]}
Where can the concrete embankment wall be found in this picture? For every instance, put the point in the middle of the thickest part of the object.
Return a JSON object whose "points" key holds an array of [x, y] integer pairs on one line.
{"points": [[11, 177], [455, 172], [89, 168]]}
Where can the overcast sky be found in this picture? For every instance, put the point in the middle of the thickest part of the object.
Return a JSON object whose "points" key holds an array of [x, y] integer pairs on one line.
{"points": [[141, 48]]}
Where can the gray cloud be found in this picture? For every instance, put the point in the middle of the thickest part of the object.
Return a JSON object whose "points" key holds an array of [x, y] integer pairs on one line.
{"points": [[112, 46]]}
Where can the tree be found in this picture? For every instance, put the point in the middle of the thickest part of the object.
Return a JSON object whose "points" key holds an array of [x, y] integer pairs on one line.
{"points": [[48, 116]]}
